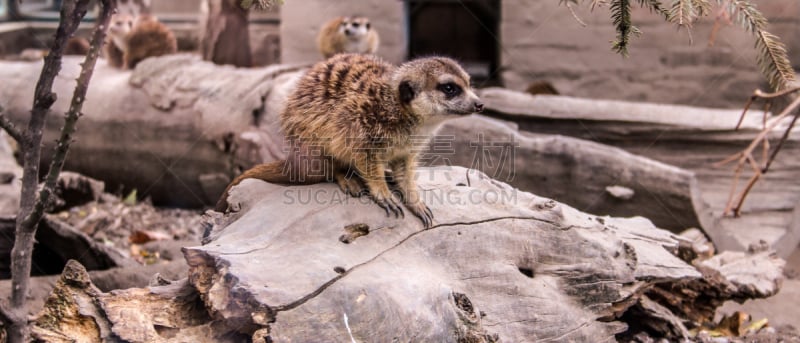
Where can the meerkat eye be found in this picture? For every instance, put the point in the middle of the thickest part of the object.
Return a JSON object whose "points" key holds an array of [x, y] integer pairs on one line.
{"points": [[355, 25], [449, 89], [367, 26]]}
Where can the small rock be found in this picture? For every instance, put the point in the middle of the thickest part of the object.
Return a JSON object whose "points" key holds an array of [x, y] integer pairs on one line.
{"points": [[620, 192]]}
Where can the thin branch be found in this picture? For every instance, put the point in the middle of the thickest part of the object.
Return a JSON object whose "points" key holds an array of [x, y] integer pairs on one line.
{"points": [[780, 143], [9, 127], [575, 15], [73, 114], [31, 206], [745, 156]]}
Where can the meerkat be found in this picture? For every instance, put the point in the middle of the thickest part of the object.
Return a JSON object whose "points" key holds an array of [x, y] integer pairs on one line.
{"points": [[347, 35], [131, 39], [362, 113], [77, 46], [541, 87]]}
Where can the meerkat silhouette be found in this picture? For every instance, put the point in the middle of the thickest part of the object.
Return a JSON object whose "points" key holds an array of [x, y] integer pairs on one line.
{"points": [[362, 113], [131, 39], [347, 35]]}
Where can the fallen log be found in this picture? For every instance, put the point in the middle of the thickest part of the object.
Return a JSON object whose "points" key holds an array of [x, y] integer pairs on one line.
{"points": [[692, 138], [580, 173], [514, 268], [168, 128]]}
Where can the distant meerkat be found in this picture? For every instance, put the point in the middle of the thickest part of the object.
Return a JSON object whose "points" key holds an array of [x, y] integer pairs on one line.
{"points": [[541, 87], [347, 34], [77, 46], [362, 113], [132, 39]]}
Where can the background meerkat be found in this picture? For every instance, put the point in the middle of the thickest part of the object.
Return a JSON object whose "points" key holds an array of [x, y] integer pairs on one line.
{"points": [[362, 113], [347, 34], [76, 46], [131, 39]]}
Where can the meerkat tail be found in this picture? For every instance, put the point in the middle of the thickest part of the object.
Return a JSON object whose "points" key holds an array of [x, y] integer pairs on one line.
{"points": [[278, 172]]}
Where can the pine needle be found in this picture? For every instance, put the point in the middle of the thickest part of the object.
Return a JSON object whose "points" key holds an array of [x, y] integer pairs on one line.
{"points": [[681, 12], [772, 59], [261, 5], [621, 14], [599, 3], [773, 62], [655, 6]]}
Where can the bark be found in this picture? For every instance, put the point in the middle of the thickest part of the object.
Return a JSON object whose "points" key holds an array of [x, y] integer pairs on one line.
{"points": [[32, 204], [225, 37], [498, 265]]}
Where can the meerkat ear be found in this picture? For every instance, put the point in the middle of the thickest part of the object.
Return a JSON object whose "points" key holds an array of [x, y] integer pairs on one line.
{"points": [[406, 92]]}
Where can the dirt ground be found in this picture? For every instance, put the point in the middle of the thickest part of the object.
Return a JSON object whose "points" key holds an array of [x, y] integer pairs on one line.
{"points": [[783, 309]]}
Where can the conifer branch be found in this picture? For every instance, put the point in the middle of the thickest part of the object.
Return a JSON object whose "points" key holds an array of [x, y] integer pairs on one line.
{"points": [[261, 5], [686, 12], [621, 14], [655, 6], [772, 59]]}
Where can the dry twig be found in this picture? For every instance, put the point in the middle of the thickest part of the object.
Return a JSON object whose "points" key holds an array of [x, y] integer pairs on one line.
{"points": [[31, 205], [9, 127], [735, 202]]}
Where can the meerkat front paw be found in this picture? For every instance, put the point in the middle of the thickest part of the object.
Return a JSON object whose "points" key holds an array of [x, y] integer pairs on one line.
{"points": [[423, 212], [388, 203]]}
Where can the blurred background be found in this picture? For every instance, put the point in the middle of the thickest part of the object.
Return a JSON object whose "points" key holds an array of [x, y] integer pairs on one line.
{"points": [[510, 43]]}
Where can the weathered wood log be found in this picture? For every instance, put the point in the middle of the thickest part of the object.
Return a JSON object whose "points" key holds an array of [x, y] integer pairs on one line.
{"points": [[138, 276], [178, 129], [577, 172], [168, 128], [688, 137], [498, 265]]}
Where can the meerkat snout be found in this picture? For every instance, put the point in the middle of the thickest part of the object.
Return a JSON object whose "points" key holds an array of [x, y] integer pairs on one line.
{"points": [[478, 106]]}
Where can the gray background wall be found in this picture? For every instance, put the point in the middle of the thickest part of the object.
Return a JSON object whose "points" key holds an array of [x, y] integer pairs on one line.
{"points": [[302, 19], [540, 40]]}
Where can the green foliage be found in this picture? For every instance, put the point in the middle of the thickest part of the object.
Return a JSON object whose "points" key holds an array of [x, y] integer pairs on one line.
{"points": [[261, 5], [772, 59], [130, 200], [621, 13]]}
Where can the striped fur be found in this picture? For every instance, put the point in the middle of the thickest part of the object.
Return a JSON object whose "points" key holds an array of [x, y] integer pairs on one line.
{"points": [[360, 114]]}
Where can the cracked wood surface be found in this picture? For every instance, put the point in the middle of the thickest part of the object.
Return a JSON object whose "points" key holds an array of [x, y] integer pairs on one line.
{"points": [[533, 268], [519, 268]]}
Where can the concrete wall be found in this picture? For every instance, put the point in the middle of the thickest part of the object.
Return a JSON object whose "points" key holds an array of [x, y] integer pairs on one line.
{"points": [[542, 40], [301, 21]]}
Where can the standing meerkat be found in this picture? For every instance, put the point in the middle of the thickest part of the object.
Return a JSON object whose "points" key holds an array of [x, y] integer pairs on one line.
{"points": [[131, 39], [347, 35], [362, 113]]}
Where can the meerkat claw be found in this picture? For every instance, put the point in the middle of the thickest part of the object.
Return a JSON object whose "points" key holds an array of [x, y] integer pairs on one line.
{"points": [[423, 212], [388, 204]]}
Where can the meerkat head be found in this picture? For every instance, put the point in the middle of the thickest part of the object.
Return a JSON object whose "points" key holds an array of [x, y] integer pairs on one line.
{"points": [[121, 25], [435, 86], [354, 28]]}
